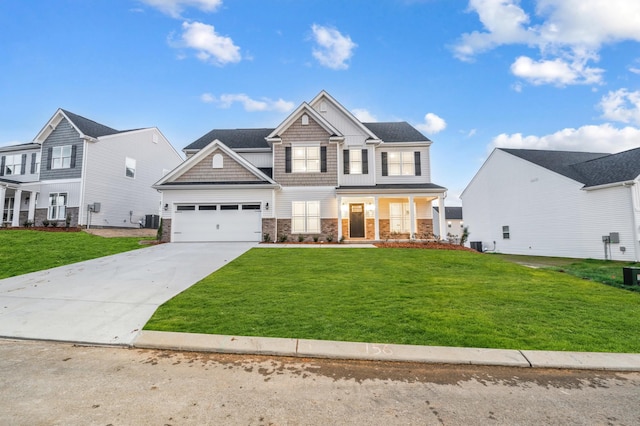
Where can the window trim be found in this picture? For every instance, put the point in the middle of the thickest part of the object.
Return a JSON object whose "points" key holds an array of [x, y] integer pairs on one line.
{"points": [[16, 168], [56, 207], [308, 160], [506, 233], [127, 167], [404, 218], [58, 154], [312, 222]]}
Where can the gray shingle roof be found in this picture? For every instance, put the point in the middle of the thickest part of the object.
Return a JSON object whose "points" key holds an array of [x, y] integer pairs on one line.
{"points": [[234, 138], [400, 131], [588, 168], [454, 213], [90, 127]]}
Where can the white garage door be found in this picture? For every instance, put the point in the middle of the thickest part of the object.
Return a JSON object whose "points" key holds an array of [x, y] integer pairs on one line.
{"points": [[217, 222]]}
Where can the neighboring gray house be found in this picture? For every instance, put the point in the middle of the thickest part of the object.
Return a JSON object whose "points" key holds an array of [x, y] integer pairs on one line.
{"points": [[556, 203], [321, 174], [82, 170], [454, 223]]}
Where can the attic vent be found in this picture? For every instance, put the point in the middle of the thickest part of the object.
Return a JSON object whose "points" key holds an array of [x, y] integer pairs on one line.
{"points": [[217, 161], [155, 138], [305, 120], [323, 106]]}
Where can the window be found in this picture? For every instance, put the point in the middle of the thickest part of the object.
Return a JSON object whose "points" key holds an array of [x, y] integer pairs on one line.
{"points": [[355, 161], [306, 159], [218, 161], [130, 167], [208, 207], [57, 206], [251, 207], [305, 217], [13, 165], [185, 208], [229, 207], [399, 217], [401, 164], [35, 163], [7, 213], [505, 233], [61, 157]]}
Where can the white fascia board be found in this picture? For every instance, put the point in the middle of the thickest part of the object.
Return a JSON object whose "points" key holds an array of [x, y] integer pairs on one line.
{"points": [[197, 186], [416, 144], [609, 185], [346, 112]]}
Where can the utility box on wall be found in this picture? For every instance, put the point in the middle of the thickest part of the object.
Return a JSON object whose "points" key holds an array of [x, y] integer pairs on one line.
{"points": [[614, 238], [94, 208]]}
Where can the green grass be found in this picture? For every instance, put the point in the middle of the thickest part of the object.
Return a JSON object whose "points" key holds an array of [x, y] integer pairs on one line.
{"points": [[25, 251], [601, 271], [405, 296]]}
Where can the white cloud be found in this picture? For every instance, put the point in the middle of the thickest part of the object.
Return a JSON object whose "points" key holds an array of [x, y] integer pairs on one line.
{"points": [[602, 138], [364, 116], [567, 33], [558, 72], [210, 46], [174, 8], [622, 106], [432, 124], [333, 50], [249, 104]]}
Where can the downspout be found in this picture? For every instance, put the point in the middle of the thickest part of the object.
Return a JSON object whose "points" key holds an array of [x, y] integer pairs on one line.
{"points": [[82, 220]]}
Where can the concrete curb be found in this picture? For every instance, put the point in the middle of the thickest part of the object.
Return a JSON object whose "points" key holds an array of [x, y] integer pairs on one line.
{"points": [[385, 352]]}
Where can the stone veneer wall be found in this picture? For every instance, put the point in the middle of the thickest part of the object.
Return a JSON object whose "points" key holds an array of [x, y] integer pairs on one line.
{"points": [[41, 215], [328, 227], [269, 227], [166, 231], [424, 230]]}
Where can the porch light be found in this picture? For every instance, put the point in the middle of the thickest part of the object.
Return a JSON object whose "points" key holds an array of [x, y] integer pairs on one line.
{"points": [[166, 207], [266, 206]]}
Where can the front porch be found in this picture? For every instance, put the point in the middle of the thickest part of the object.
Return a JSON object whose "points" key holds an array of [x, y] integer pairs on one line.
{"points": [[17, 203], [382, 214]]}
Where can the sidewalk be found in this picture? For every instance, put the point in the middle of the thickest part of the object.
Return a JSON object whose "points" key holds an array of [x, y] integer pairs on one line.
{"points": [[385, 352]]}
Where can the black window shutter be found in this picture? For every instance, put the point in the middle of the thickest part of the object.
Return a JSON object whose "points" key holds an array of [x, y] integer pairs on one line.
{"points": [[74, 151], [365, 162], [2, 161], [416, 158], [323, 159], [287, 159], [33, 162], [384, 164], [345, 161], [49, 157], [24, 164]]}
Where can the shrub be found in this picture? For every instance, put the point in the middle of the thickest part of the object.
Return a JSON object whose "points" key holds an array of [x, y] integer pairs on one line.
{"points": [[316, 238], [282, 238], [300, 238], [45, 223], [266, 237], [329, 238], [28, 224]]}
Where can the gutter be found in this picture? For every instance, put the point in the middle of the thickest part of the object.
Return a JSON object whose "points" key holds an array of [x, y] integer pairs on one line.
{"points": [[609, 185]]}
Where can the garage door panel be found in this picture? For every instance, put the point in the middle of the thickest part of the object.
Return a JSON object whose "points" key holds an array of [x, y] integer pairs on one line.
{"points": [[232, 223]]}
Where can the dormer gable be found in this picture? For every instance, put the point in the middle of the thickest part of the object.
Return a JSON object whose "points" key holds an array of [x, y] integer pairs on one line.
{"points": [[303, 116]]}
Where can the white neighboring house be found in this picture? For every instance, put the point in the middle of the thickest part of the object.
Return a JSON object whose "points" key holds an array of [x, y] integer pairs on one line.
{"points": [[556, 203], [454, 223], [84, 171]]}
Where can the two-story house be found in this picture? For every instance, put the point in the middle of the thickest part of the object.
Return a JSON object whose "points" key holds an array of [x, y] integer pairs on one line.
{"points": [[320, 174], [84, 172]]}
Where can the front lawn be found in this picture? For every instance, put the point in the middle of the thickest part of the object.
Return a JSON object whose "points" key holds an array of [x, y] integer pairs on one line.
{"points": [[405, 296], [29, 251]]}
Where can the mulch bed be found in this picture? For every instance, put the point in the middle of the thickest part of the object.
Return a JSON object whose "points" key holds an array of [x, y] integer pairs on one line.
{"points": [[433, 245], [42, 228]]}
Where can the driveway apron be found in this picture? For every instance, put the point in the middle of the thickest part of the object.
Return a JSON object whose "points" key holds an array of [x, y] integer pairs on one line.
{"points": [[106, 300]]}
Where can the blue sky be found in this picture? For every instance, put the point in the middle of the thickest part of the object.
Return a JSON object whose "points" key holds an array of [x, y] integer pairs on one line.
{"points": [[471, 75]]}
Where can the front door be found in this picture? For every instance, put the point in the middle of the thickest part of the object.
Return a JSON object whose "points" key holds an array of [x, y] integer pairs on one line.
{"points": [[356, 220]]}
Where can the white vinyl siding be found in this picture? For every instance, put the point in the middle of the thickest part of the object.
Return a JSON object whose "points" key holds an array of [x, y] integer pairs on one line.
{"points": [[547, 214], [325, 195], [258, 159], [130, 167], [425, 171]]}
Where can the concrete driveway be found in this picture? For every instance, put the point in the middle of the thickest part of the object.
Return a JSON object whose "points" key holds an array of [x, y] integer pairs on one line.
{"points": [[106, 300]]}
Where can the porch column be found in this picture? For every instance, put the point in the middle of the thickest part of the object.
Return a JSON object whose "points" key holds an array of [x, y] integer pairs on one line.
{"points": [[17, 200], [442, 217], [339, 218], [32, 207], [412, 218], [3, 193], [377, 219]]}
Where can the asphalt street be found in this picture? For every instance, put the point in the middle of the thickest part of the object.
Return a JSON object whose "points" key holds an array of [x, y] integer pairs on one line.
{"points": [[58, 383]]}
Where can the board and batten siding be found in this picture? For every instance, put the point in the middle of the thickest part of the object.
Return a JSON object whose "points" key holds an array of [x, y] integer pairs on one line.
{"points": [[70, 187], [425, 165], [106, 182], [326, 196], [258, 159], [217, 196], [63, 134], [357, 179], [547, 214]]}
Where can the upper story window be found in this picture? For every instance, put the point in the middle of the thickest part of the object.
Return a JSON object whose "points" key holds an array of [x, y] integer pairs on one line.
{"points": [[401, 163], [35, 163], [355, 162], [13, 165], [130, 167], [306, 159], [61, 157]]}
